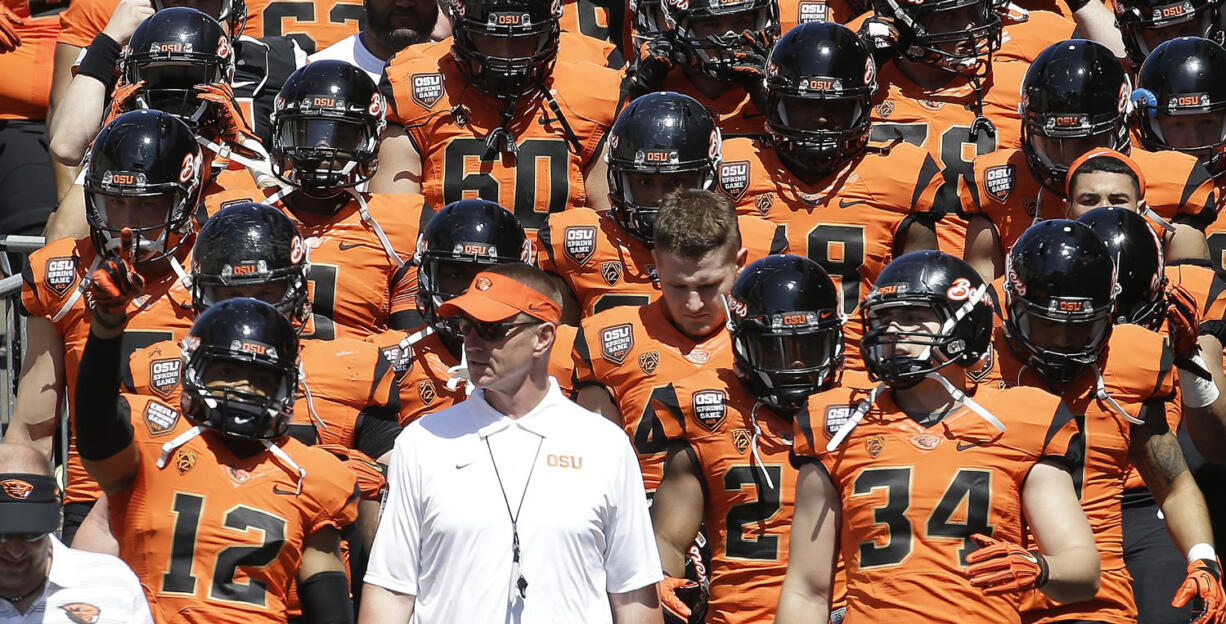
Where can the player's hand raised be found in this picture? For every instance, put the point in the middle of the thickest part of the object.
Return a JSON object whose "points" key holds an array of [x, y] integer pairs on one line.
{"points": [[116, 282]]}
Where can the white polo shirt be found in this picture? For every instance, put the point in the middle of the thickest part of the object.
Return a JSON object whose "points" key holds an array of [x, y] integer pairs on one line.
{"points": [[445, 533], [84, 587], [351, 50]]}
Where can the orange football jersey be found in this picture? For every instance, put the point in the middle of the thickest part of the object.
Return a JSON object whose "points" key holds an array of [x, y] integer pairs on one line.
{"points": [[449, 123], [912, 496], [635, 352], [795, 12], [733, 112], [604, 266], [84, 19], [421, 371], [214, 537], [361, 276], [1003, 189], [26, 91], [846, 222], [313, 24], [1027, 33], [52, 288], [748, 506], [341, 378], [941, 121], [1136, 368]]}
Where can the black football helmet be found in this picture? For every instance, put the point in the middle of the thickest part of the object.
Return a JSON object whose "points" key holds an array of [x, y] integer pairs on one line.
{"points": [[1145, 24], [326, 123], [148, 155], [1059, 276], [695, 25], [472, 232], [939, 282], [172, 52], [1075, 97], [246, 332], [1183, 84], [658, 133], [957, 36], [819, 87], [785, 316], [251, 244], [529, 30], [233, 14], [1139, 264]]}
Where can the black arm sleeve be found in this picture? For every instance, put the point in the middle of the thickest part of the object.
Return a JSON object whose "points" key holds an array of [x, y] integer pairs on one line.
{"points": [[374, 435], [325, 599], [102, 429]]}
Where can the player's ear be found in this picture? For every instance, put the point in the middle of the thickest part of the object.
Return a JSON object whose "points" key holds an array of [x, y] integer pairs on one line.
{"points": [[742, 256], [545, 335]]}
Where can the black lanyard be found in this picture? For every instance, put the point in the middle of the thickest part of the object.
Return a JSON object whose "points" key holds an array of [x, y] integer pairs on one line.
{"points": [[516, 573]]}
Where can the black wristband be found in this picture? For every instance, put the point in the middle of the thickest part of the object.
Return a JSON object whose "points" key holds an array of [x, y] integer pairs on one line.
{"points": [[1043, 570], [325, 599], [99, 61]]}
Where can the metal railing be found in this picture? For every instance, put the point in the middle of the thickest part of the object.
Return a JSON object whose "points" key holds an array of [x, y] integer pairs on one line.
{"points": [[12, 323]]}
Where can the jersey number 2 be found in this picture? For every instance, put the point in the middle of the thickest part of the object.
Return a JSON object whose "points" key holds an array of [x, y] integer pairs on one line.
{"points": [[179, 579]]}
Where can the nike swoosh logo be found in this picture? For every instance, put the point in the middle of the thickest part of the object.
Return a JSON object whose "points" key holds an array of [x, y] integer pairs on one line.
{"points": [[465, 464], [962, 446], [843, 203], [344, 246], [242, 83]]}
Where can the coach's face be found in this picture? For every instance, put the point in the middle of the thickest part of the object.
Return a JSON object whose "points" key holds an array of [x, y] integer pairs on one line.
{"points": [[23, 564], [501, 355]]}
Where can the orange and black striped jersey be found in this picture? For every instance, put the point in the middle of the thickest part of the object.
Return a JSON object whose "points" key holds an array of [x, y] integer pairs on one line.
{"points": [[362, 279], [847, 222], [635, 352], [53, 288], [750, 492], [340, 379], [605, 267], [214, 537], [422, 372], [586, 17], [942, 122], [1136, 368], [451, 125], [313, 24], [1003, 189], [912, 496]]}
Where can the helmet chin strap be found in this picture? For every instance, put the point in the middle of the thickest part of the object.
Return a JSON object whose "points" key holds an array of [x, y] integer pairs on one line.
{"points": [[855, 418], [1100, 393], [179, 440], [280, 454], [459, 374], [753, 444], [369, 221]]}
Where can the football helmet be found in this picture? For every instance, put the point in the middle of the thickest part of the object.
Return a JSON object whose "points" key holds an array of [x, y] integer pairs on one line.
{"points": [[326, 123], [819, 86], [647, 19], [941, 283], [704, 32], [1139, 264], [240, 332], [1182, 86], [787, 330], [957, 36], [658, 134], [1060, 281], [1145, 24], [251, 244], [461, 238], [506, 48], [172, 52], [1075, 97], [147, 164]]}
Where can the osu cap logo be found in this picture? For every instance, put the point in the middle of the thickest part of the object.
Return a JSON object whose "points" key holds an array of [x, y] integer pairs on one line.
{"points": [[483, 283], [19, 489], [81, 612]]}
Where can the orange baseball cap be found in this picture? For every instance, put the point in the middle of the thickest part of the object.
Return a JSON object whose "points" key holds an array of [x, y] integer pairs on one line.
{"points": [[493, 297], [1110, 153]]}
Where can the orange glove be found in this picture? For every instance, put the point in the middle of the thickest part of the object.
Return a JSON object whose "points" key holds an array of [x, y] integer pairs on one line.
{"points": [[115, 282], [675, 609], [999, 567], [1203, 587], [119, 98], [234, 127], [9, 21]]}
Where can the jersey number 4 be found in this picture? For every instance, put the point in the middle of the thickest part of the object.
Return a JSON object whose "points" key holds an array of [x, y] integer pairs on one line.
{"points": [[241, 519], [961, 512]]}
